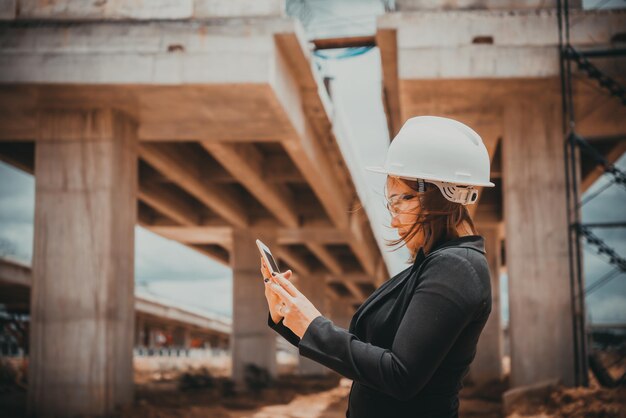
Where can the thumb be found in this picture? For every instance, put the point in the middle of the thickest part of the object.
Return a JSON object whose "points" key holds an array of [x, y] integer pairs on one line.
{"points": [[287, 274]]}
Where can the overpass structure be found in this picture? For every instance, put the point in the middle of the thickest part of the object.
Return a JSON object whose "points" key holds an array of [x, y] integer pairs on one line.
{"points": [[495, 66], [202, 121]]}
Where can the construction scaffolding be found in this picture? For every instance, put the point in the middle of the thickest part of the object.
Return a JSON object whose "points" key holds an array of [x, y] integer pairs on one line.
{"points": [[575, 148]]}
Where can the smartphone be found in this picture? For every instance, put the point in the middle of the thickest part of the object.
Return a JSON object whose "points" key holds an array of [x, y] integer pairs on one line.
{"points": [[267, 256]]}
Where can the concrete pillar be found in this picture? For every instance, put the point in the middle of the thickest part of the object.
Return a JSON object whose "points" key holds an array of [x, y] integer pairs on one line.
{"points": [[152, 336], [541, 335], [340, 313], [487, 364], [252, 341], [82, 305], [181, 337], [139, 331], [314, 288]]}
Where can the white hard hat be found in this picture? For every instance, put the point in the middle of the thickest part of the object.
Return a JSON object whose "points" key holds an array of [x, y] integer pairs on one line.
{"points": [[442, 151]]}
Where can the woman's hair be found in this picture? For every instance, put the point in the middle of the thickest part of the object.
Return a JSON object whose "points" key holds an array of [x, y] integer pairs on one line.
{"points": [[438, 218]]}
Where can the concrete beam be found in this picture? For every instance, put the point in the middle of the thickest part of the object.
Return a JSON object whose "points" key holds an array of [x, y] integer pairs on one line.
{"points": [[352, 277], [151, 306], [165, 53], [163, 200], [294, 82], [152, 10], [219, 235], [386, 39], [490, 43], [304, 147], [245, 163], [613, 154], [356, 290], [213, 196], [15, 273], [219, 254], [299, 264], [322, 234], [479, 103], [151, 106], [325, 257]]}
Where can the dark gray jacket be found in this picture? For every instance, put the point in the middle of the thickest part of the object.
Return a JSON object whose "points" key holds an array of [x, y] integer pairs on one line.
{"points": [[410, 344]]}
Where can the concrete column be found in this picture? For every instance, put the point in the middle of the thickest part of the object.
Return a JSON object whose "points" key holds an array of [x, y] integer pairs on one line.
{"points": [[152, 336], [82, 305], [139, 331], [181, 337], [340, 313], [314, 288], [487, 364], [214, 342], [541, 335], [252, 341]]}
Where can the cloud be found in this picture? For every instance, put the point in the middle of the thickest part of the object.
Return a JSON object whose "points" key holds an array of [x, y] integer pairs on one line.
{"points": [[612, 309], [17, 240], [213, 295], [608, 206], [158, 258]]}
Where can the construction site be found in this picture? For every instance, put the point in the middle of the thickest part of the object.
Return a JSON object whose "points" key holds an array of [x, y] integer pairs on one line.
{"points": [[208, 124]]}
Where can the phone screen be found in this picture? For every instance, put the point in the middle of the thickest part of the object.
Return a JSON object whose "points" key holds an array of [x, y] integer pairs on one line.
{"points": [[273, 265]]}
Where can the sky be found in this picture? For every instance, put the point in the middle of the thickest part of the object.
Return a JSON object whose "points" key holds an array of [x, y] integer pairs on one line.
{"points": [[171, 271]]}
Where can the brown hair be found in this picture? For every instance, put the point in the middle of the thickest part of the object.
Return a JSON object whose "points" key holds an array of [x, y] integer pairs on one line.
{"points": [[438, 218]]}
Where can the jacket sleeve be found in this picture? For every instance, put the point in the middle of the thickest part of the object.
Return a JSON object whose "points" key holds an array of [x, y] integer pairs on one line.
{"points": [[446, 299], [284, 331]]}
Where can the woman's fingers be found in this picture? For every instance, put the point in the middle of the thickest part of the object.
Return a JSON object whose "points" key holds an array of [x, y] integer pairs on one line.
{"points": [[281, 292], [264, 269], [291, 289]]}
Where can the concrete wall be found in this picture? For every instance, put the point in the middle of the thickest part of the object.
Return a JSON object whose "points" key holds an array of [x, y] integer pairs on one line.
{"points": [[403, 5], [463, 44], [138, 10]]}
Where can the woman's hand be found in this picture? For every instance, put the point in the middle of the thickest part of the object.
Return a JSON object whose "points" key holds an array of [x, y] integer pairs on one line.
{"points": [[273, 300], [299, 311]]}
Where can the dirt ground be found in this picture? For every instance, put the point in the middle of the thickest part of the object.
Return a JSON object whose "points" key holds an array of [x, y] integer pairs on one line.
{"points": [[327, 397], [594, 401], [204, 393]]}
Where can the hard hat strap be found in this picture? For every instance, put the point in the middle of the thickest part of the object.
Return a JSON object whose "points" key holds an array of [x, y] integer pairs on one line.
{"points": [[421, 186], [464, 195]]}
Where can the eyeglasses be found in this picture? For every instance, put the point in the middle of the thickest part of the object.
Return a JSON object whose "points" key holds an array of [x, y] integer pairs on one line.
{"points": [[393, 204]]}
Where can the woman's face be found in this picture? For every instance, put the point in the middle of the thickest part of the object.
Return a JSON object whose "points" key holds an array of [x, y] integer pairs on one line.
{"points": [[406, 207]]}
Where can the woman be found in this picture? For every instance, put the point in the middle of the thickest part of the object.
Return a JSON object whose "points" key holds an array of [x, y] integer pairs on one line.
{"points": [[410, 344]]}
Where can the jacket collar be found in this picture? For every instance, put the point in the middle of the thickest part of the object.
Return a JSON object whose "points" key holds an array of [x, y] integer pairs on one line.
{"points": [[476, 242]]}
